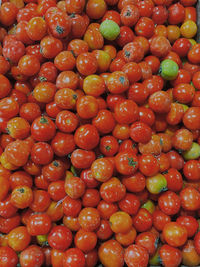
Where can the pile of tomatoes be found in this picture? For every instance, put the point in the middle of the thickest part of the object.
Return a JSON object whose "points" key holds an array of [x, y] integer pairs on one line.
{"points": [[99, 133]]}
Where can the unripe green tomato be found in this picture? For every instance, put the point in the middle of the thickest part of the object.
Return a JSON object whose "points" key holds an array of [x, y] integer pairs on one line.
{"points": [[193, 153], [185, 107], [168, 69], [155, 259], [149, 205], [42, 240], [156, 184], [109, 29]]}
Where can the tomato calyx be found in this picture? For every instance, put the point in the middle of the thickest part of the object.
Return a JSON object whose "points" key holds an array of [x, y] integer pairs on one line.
{"points": [[55, 163], [122, 79], [127, 53], [128, 13], [73, 15], [59, 29], [42, 79], [108, 148], [43, 120], [131, 162], [21, 190]]}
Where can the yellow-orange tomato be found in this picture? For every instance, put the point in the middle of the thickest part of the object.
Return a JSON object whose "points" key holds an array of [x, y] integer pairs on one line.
{"points": [[103, 60], [188, 29], [120, 222], [173, 33], [127, 238], [94, 85]]}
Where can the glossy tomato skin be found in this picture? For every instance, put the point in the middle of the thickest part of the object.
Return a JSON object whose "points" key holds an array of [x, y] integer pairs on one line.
{"points": [[73, 257], [43, 129], [86, 137], [126, 163], [31, 256], [111, 252], [190, 198], [174, 234], [8, 257], [60, 238], [169, 203], [170, 256], [143, 220], [189, 223], [136, 255]]}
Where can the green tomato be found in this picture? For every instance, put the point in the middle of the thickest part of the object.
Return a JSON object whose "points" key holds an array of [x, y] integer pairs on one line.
{"points": [[193, 153], [155, 259], [192, 41], [109, 29], [156, 184], [185, 107], [42, 240], [168, 69], [149, 205]]}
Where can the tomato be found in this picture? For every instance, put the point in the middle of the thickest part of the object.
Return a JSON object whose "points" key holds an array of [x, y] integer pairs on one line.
{"points": [[56, 190], [191, 170], [190, 198], [160, 219], [82, 159], [59, 24], [169, 203], [89, 219], [135, 132], [74, 187], [23, 241], [162, 105], [86, 241], [56, 257], [116, 220], [31, 256], [190, 118], [144, 27], [41, 201], [8, 257], [86, 63], [143, 220], [50, 46], [126, 112], [102, 169], [60, 237], [126, 35], [43, 129], [189, 223], [111, 252], [106, 209], [174, 234], [112, 190], [174, 179], [160, 46], [38, 224], [133, 51], [86, 137], [190, 255], [185, 137], [147, 240], [170, 256], [94, 85], [104, 121], [126, 163], [129, 15], [136, 255]]}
